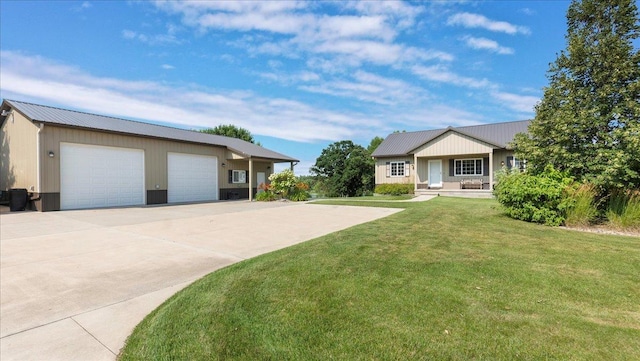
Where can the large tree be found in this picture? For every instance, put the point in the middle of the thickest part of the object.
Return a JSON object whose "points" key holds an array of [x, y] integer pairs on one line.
{"points": [[345, 168], [232, 131], [588, 121], [375, 143]]}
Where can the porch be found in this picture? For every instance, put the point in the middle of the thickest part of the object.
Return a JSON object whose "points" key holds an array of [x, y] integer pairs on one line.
{"points": [[464, 193]]}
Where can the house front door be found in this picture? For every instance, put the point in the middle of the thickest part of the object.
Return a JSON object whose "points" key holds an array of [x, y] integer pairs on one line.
{"points": [[261, 179], [435, 173]]}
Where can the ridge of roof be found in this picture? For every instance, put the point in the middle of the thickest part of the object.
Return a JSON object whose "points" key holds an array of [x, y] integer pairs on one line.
{"points": [[75, 118]]}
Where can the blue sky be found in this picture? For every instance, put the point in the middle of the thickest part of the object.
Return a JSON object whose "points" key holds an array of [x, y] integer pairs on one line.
{"points": [[299, 75]]}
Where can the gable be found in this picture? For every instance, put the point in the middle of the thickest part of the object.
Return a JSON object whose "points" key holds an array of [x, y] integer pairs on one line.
{"points": [[453, 143]]}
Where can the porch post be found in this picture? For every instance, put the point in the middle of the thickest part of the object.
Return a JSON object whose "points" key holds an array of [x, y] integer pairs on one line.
{"points": [[491, 170], [291, 166], [250, 179], [415, 173]]}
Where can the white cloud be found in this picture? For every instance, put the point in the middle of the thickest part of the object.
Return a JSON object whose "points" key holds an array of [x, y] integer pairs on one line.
{"points": [[486, 44], [158, 39], [519, 103], [365, 31], [369, 87], [39, 79], [441, 74], [469, 20], [167, 66]]}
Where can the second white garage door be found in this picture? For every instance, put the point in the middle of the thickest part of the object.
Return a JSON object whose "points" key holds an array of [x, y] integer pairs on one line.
{"points": [[93, 176], [192, 177]]}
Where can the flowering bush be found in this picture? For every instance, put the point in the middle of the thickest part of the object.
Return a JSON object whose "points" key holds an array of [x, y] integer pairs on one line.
{"points": [[266, 194], [299, 193], [286, 185], [283, 182]]}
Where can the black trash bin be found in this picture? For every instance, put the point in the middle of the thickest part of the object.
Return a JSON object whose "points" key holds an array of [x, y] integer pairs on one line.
{"points": [[18, 198]]}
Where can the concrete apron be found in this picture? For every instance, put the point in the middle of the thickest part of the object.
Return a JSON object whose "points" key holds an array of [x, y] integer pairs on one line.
{"points": [[74, 284]]}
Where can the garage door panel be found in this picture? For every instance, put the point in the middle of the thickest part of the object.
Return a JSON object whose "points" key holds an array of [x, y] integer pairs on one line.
{"points": [[96, 176], [192, 177]]}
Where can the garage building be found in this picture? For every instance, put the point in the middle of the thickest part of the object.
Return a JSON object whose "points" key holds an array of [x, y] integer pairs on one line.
{"points": [[71, 160]]}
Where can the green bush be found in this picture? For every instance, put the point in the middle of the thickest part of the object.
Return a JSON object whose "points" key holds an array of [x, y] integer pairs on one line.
{"points": [[581, 204], [265, 196], [394, 189], [534, 198], [624, 210], [299, 193], [282, 183]]}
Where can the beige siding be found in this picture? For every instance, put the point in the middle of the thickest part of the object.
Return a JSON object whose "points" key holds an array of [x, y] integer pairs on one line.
{"points": [[258, 166], [155, 151], [381, 171], [453, 182], [18, 166], [452, 143]]}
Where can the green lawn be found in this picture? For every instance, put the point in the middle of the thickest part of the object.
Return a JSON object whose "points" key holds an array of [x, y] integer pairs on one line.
{"points": [[447, 279]]}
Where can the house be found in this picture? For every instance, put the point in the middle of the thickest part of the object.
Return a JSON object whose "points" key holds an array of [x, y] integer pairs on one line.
{"points": [[68, 160], [451, 161]]}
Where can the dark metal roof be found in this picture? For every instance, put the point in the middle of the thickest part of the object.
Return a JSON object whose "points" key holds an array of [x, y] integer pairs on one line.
{"points": [[497, 134], [71, 118]]}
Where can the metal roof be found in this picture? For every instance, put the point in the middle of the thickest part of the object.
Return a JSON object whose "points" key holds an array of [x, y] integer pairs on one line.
{"points": [[497, 134], [71, 118]]}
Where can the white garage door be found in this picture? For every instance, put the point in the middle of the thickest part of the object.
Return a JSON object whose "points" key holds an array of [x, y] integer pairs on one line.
{"points": [[192, 177], [93, 176]]}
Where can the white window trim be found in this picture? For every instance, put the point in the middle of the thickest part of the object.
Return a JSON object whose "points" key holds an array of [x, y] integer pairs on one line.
{"points": [[455, 169], [399, 168], [240, 175]]}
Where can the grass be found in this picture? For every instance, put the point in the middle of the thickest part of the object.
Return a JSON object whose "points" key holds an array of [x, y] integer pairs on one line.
{"points": [[584, 209], [448, 279]]}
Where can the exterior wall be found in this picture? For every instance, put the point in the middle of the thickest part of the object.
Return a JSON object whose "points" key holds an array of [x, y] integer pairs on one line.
{"points": [[453, 182], [155, 153], [381, 171], [18, 165], [241, 190], [155, 157], [451, 143]]}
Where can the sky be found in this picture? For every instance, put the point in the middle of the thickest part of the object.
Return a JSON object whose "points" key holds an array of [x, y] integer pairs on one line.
{"points": [[299, 75]]}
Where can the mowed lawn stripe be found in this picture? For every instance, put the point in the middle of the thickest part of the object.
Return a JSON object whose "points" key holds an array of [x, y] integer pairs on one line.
{"points": [[446, 279]]}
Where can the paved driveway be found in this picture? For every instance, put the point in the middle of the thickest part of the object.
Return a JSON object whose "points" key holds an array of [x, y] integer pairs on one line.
{"points": [[73, 284]]}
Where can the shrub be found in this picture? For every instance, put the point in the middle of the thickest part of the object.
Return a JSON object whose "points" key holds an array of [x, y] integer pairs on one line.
{"points": [[624, 210], [534, 198], [267, 194], [394, 189], [299, 193], [282, 183], [581, 205]]}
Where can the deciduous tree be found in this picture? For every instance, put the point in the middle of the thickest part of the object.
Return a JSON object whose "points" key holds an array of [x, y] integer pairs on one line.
{"points": [[345, 168], [232, 131], [588, 122]]}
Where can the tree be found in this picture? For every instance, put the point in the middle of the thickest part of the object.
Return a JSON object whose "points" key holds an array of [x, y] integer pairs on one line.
{"points": [[346, 169], [375, 143], [587, 122], [231, 131]]}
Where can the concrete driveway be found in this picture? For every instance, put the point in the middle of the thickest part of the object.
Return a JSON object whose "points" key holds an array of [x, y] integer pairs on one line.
{"points": [[74, 284]]}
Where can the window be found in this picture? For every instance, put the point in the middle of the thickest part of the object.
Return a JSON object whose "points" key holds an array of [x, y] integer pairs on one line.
{"points": [[239, 176], [397, 169], [468, 167], [514, 163]]}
